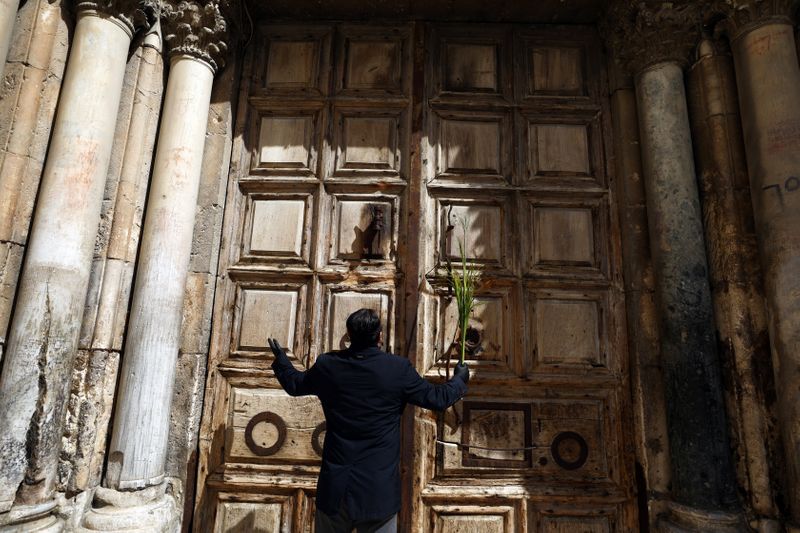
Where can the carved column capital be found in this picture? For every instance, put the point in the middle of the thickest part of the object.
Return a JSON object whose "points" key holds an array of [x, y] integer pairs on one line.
{"points": [[742, 16], [130, 14], [197, 28], [643, 33]]}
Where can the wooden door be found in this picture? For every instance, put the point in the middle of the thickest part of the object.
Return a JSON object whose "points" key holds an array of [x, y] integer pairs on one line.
{"points": [[356, 147], [516, 123]]}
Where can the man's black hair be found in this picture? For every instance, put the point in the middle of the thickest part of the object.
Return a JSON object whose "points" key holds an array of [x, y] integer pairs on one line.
{"points": [[364, 328]]}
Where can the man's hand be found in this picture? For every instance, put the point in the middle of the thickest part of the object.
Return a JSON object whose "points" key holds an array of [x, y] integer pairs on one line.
{"points": [[277, 351], [461, 370]]}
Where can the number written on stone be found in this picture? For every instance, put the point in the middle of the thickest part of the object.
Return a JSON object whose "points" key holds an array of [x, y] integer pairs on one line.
{"points": [[789, 186]]}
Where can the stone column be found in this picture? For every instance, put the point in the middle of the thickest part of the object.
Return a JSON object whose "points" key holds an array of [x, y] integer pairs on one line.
{"points": [[654, 39], [647, 379], [735, 274], [768, 78], [44, 330], [135, 471], [8, 14]]}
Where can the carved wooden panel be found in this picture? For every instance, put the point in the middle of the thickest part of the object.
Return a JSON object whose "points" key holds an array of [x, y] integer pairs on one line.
{"points": [[288, 143], [370, 143], [568, 237], [253, 517], [564, 520], [555, 70], [567, 331], [364, 228], [274, 310], [487, 230], [561, 150], [569, 440], [267, 425], [574, 524], [491, 343], [563, 235], [471, 67], [278, 228], [341, 301], [547, 438], [472, 147], [373, 61], [292, 62], [472, 519]]}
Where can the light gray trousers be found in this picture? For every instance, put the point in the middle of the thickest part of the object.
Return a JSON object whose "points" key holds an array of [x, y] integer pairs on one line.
{"points": [[341, 523]]}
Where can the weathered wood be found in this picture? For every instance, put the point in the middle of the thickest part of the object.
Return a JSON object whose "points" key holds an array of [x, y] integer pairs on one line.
{"points": [[497, 126]]}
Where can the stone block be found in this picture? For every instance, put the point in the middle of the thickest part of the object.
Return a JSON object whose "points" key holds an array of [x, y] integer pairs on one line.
{"points": [[26, 112], [121, 318], [125, 228], [112, 304], [197, 309], [12, 175], [23, 30], [211, 198], [207, 228], [638, 270], [90, 305], [10, 86], [10, 264], [48, 19], [91, 401], [187, 404]]}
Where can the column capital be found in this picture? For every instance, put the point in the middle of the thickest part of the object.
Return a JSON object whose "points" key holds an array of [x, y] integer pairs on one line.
{"points": [[197, 28], [741, 16], [130, 14], [643, 33]]}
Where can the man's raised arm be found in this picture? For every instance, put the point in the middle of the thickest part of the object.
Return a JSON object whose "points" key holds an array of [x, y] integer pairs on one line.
{"points": [[422, 393], [293, 381]]}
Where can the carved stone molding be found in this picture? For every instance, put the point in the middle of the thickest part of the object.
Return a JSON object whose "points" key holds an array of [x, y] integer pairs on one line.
{"points": [[197, 28], [131, 14], [742, 16], [643, 33]]}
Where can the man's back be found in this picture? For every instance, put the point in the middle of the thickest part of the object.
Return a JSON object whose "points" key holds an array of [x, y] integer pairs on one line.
{"points": [[363, 393]]}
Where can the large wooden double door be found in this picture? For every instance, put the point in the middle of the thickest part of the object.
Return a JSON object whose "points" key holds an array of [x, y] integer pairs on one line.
{"points": [[357, 149]]}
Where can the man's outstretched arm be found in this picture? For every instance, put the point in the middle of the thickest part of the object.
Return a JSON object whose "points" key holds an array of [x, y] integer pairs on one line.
{"points": [[422, 393], [293, 381]]}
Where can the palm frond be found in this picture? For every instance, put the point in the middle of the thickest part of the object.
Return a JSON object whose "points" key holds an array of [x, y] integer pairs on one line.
{"points": [[463, 281]]}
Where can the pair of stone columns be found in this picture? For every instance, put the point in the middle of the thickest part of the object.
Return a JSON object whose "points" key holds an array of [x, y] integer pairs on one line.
{"points": [[45, 327], [654, 40]]}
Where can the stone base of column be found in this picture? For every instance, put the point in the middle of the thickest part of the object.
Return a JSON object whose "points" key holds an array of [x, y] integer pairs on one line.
{"points": [[32, 519], [684, 519], [149, 510]]}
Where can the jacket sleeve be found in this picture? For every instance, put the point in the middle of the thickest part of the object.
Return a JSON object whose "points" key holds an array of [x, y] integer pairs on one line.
{"points": [[418, 391], [293, 381]]}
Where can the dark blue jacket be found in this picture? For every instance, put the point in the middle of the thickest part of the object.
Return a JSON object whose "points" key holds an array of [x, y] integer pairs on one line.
{"points": [[363, 394]]}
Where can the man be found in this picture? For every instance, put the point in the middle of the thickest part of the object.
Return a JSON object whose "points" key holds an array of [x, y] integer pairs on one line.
{"points": [[363, 391]]}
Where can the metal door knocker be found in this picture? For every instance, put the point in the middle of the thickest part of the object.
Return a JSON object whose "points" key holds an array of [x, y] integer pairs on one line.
{"points": [[371, 243], [269, 418]]}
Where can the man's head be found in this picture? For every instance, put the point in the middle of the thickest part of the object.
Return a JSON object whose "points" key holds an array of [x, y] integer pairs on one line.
{"points": [[364, 328]]}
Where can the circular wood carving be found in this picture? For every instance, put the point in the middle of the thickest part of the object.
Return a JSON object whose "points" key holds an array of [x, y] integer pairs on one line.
{"points": [[267, 417], [569, 450], [315, 441]]}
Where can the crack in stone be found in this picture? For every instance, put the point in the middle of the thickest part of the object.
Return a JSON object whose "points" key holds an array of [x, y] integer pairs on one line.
{"points": [[34, 429]]}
